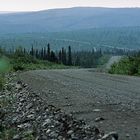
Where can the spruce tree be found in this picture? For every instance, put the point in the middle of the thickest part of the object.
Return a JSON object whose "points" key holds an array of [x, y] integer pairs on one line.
{"points": [[48, 52], [60, 56], [24, 51], [32, 51], [36, 53], [69, 56], [64, 59], [53, 57], [44, 54]]}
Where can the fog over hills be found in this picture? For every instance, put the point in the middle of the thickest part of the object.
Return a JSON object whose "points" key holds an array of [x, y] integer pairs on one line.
{"points": [[69, 19]]}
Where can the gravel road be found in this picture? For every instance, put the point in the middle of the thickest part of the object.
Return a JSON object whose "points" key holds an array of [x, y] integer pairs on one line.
{"points": [[110, 102]]}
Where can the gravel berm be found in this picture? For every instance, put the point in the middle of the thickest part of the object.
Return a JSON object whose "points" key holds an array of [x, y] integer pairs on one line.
{"points": [[111, 102], [30, 117]]}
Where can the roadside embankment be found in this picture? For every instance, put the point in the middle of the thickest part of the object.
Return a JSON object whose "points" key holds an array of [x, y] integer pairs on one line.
{"points": [[25, 115]]}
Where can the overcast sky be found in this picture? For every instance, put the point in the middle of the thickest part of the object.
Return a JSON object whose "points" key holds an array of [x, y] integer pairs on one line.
{"points": [[35, 5]]}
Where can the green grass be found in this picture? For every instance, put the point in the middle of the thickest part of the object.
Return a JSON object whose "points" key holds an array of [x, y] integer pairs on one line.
{"points": [[4, 68], [20, 66], [43, 65], [23, 63], [7, 133]]}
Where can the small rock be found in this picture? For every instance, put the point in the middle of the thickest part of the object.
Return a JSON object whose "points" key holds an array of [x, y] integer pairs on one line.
{"points": [[17, 137], [53, 134], [18, 86], [68, 104], [48, 131], [25, 125], [29, 106], [66, 97], [25, 85], [127, 135], [47, 122], [42, 138], [97, 110], [31, 116], [74, 137], [22, 100], [99, 119], [60, 138], [70, 132], [15, 119], [110, 136]]}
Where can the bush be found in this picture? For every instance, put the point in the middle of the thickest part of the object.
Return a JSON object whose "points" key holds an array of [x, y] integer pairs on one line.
{"points": [[18, 67], [19, 63], [128, 66]]}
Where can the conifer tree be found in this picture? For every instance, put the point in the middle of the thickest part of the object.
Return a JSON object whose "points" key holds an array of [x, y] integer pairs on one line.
{"points": [[36, 53], [64, 60], [69, 56], [24, 51], [32, 51], [60, 56], [53, 57], [42, 54], [48, 52]]}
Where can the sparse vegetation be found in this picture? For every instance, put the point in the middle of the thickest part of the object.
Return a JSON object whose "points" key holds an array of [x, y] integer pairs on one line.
{"points": [[4, 67]]}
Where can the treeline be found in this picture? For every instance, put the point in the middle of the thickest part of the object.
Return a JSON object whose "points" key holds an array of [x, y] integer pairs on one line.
{"points": [[87, 59], [63, 56]]}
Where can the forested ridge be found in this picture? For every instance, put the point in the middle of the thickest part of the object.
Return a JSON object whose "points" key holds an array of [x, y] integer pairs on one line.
{"points": [[125, 37]]}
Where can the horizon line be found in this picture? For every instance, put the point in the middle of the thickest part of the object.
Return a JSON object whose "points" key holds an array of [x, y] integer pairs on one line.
{"points": [[59, 8]]}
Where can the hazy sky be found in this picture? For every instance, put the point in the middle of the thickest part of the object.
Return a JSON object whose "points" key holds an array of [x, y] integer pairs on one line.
{"points": [[34, 5]]}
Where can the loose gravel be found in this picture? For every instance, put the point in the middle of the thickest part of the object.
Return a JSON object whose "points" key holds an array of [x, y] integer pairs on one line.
{"points": [[26, 115], [111, 102]]}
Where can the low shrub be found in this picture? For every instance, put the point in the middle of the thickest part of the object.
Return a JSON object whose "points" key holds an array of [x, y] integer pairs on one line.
{"points": [[18, 67], [127, 65]]}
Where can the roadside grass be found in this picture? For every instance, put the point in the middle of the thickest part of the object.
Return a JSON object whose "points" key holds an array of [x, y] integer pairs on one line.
{"points": [[4, 68], [7, 133], [18, 63], [37, 64], [24, 63]]}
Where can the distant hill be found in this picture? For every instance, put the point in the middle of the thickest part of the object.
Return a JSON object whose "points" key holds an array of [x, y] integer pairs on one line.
{"points": [[70, 19], [118, 37]]}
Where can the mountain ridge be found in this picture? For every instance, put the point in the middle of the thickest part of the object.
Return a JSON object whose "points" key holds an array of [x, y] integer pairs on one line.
{"points": [[68, 19]]}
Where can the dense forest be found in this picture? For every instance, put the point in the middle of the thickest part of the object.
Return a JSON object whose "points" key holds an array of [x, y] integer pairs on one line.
{"points": [[105, 38], [63, 56]]}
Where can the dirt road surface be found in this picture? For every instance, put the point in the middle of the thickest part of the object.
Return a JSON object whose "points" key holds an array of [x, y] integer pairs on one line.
{"points": [[88, 95]]}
